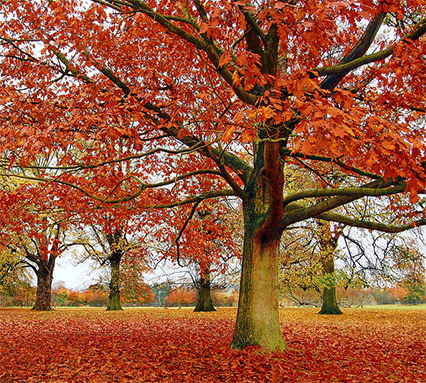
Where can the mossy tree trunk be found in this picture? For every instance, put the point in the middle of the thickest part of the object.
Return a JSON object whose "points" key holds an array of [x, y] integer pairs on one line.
{"points": [[44, 274], [114, 299], [117, 247], [204, 302], [258, 320], [328, 245], [329, 296], [258, 317]]}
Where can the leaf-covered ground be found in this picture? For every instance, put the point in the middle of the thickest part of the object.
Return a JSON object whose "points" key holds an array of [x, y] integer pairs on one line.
{"points": [[158, 345]]}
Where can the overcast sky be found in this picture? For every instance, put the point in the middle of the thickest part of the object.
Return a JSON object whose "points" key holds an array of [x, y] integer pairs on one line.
{"points": [[76, 277]]}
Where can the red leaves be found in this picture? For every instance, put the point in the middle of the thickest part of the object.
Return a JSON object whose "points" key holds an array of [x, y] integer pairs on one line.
{"points": [[156, 345]]}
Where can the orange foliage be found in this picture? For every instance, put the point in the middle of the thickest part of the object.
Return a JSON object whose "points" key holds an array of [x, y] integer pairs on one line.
{"points": [[95, 297], [221, 299], [181, 297]]}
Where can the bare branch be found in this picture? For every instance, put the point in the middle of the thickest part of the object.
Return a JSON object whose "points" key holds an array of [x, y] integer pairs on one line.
{"points": [[357, 51], [371, 225], [348, 192], [188, 219]]}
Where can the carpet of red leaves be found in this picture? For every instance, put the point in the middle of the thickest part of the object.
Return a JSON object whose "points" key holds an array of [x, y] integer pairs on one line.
{"points": [[157, 345]]}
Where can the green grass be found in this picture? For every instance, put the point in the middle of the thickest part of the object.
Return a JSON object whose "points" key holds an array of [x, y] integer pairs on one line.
{"points": [[396, 307]]}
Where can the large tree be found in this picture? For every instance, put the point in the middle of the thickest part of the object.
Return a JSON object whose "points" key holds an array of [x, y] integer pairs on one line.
{"points": [[214, 98]]}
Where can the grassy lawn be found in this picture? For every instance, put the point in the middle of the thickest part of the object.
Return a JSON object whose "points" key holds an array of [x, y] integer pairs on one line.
{"points": [[396, 307], [158, 345]]}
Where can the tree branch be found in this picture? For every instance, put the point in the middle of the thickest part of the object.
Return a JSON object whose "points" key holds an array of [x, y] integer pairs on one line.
{"points": [[371, 225], [374, 57], [336, 161], [296, 212], [349, 192], [199, 198], [254, 25], [188, 219], [142, 187], [357, 51]]}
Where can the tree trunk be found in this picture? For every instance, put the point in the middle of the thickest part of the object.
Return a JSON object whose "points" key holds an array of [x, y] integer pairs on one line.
{"points": [[44, 287], [329, 296], [258, 317], [329, 302], [204, 302], [114, 286], [258, 320], [328, 246]]}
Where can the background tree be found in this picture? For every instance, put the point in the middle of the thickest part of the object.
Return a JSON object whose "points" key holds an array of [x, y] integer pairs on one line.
{"points": [[16, 283], [206, 246], [410, 263], [328, 246], [108, 245], [134, 290], [38, 249], [216, 234], [300, 266]]}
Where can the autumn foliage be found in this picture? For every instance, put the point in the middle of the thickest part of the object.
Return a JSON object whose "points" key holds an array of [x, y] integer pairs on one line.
{"points": [[181, 297], [157, 345], [153, 107]]}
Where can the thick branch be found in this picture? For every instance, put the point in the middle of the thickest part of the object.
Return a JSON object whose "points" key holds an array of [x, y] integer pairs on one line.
{"points": [[371, 225], [349, 192], [296, 212], [253, 24], [374, 57], [357, 51]]}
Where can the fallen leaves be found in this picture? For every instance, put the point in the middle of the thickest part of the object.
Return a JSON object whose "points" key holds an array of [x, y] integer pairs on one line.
{"points": [[157, 345]]}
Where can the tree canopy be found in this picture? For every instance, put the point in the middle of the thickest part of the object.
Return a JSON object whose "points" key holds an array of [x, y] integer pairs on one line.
{"points": [[150, 104]]}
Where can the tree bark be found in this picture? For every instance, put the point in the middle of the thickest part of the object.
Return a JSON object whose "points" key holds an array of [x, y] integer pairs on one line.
{"points": [[328, 246], [258, 320], [204, 302], [44, 286], [258, 317], [114, 302], [329, 296]]}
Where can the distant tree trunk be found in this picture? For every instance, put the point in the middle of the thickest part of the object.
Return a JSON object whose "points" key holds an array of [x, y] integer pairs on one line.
{"points": [[328, 246], [114, 302], [329, 296], [204, 302], [44, 284]]}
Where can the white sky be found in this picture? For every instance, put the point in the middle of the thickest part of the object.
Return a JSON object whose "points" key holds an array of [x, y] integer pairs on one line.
{"points": [[76, 277]]}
